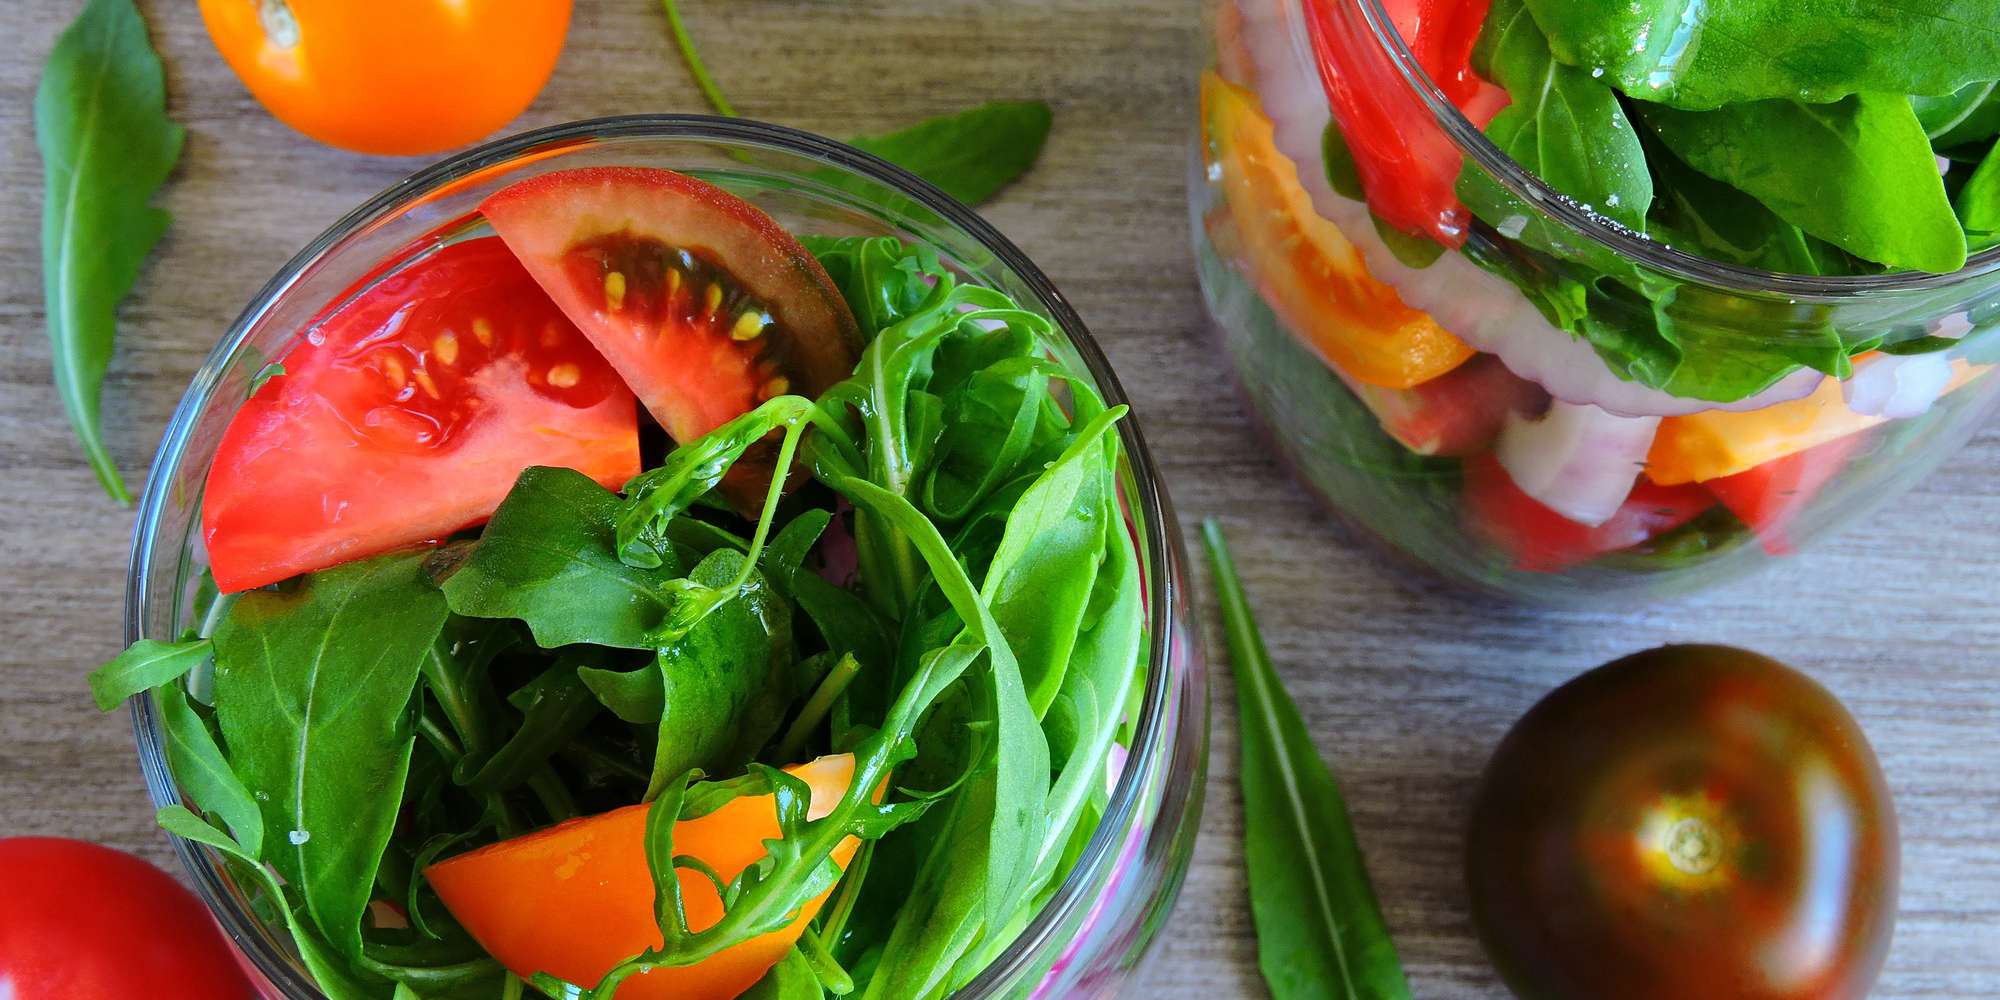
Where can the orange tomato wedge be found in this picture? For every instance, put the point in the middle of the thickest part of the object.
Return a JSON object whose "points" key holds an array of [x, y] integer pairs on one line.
{"points": [[1312, 275], [577, 898], [1713, 444]]}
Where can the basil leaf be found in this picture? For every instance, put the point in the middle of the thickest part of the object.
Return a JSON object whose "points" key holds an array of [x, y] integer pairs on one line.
{"points": [[1979, 203], [1562, 125], [107, 146], [548, 558], [1858, 173], [144, 665], [312, 694], [1699, 55], [1320, 932], [970, 155]]}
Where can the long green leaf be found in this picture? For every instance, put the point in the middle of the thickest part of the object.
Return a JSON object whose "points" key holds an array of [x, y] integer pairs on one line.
{"points": [[1320, 932], [201, 771], [144, 665], [312, 695], [1979, 203], [107, 146], [971, 154]]}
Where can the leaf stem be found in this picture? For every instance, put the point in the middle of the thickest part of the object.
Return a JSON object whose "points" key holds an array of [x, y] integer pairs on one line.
{"points": [[816, 707], [695, 66]]}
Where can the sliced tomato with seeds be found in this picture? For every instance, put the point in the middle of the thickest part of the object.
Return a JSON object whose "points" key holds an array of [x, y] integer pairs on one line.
{"points": [[701, 301], [406, 414]]}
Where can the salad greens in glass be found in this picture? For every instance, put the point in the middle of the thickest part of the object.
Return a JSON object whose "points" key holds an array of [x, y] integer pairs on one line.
{"points": [[499, 692], [1602, 275]]}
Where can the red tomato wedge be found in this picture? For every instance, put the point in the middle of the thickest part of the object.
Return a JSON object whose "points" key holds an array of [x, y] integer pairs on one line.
{"points": [[1767, 497], [1456, 414], [577, 898], [702, 302], [406, 415], [1543, 541], [1408, 166]]}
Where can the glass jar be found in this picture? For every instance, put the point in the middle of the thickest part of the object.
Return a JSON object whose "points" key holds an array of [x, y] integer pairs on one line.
{"points": [[1098, 923], [1457, 404]]}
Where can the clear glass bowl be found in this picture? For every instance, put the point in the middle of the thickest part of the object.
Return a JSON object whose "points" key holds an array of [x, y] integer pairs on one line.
{"points": [[1098, 924], [1309, 294]]}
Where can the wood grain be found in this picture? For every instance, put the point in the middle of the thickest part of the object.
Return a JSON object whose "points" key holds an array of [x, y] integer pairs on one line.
{"points": [[1406, 687]]}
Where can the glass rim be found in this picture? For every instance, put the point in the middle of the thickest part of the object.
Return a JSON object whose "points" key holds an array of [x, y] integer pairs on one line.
{"points": [[1160, 557], [1670, 260]]}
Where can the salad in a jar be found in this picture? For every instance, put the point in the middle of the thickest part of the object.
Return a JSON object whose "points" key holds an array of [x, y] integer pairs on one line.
{"points": [[1560, 297], [621, 596]]}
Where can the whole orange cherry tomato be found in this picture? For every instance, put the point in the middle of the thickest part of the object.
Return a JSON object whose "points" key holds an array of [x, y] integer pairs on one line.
{"points": [[1689, 822], [397, 77]]}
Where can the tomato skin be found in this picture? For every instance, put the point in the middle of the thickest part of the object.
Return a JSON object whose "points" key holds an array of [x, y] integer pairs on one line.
{"points": [[1767, 497], [1408, 165], [577, 898], [396, 77], [84, 922], [1543, 541], [1691, 821], [407, 415]]}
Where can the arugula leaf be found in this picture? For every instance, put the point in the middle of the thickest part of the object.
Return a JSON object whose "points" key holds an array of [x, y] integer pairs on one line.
{"points": [[200, 769], [1320, 932], [312, 694], [883, 281], [555, 708], [791, 979], [1039, 581], [1700, 55], [655, 497], [1979, 203], [143, 666], [1858, 173], [1562, 125], [338, 982], [724, 685], [548, 557], [696, 68], [970, 155], [107, 146]]}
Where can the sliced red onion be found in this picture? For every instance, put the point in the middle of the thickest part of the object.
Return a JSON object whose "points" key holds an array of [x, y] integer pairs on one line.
{"points": [[1480, 308], [1577, 460], [1889, 386]]}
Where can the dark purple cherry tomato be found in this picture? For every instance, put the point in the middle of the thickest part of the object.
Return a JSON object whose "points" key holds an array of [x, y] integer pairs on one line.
{"points": [[1688, 822]]}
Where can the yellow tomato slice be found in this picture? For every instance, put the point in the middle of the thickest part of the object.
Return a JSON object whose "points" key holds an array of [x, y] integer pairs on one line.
{"points": [[577, 898], [1312, 275], [1713, 444]]}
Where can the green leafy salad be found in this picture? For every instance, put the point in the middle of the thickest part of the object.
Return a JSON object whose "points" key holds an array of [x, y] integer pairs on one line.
{"points": [[1847, 139], [825, 700]]}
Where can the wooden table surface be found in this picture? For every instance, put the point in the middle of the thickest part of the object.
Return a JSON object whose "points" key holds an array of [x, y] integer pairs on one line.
{"points": [[1406, 689]]}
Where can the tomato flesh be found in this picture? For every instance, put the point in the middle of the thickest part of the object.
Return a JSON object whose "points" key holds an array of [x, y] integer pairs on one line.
{"points": [[1767, 497], [1692, 821], [83, 922], [701, 302], [1540, 540], [577, 898], [405, 415], [1408, 165], [1456, 414]]}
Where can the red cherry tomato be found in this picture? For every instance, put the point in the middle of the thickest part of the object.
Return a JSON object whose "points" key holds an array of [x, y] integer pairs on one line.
{"points": [[1408, 166], [1767, 497], [1690, 822], [407, 415], [1543, 541], [83, 922]]}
